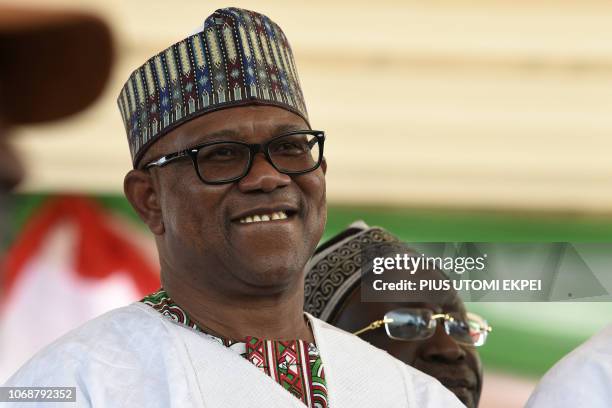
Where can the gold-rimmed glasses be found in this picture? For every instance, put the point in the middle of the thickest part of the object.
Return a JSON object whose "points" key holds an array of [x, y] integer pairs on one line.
{"points": [[410, 324]]}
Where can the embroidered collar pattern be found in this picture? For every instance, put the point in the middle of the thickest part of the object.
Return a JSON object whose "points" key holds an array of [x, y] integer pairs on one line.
{"points": [[294, 364]]}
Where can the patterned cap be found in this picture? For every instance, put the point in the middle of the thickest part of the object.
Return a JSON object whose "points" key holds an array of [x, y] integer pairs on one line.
{"points": [[334, 271], [238, 57]]}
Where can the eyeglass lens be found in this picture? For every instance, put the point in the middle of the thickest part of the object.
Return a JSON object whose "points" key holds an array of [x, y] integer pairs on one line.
{"points": [[226, 161], [410, 324], [417, 324], [294, 152]]}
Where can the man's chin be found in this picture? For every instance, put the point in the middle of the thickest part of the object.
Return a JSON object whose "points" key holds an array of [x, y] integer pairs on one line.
{"points": [[465, 395], [266, 241], [270, 277]]}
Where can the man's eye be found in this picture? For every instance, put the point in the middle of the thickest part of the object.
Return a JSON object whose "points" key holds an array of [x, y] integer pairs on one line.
{"points": [[224, 151], [219, 153], [290, 148]]}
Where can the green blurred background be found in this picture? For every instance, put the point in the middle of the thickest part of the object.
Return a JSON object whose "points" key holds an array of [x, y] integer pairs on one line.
{"points": [[528, 338]]}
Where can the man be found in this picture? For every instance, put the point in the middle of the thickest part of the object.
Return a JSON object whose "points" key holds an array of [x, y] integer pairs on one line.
{"points": [[441, 347], [229, 177], [580, 379]]}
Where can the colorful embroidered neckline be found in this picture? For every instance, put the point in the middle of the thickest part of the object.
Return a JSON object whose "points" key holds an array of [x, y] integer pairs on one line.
{"points": [[294, 364]]}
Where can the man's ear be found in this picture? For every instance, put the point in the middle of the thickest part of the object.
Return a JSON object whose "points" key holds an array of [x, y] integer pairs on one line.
{"points": [[141, 192], [324, 165]]}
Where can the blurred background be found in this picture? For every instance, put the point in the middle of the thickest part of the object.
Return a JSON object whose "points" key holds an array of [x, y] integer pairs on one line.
{"points": [[446, 121]]}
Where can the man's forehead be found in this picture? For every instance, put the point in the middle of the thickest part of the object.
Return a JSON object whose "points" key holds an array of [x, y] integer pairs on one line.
{"points": [[242, 123]]}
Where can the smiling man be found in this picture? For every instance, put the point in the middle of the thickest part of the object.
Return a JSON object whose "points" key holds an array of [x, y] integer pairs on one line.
{"points": [[230, 178]]}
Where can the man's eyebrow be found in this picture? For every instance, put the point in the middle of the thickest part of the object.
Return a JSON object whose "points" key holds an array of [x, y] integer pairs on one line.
{"points": [[287, 127], [222, 134], [234, 134]]}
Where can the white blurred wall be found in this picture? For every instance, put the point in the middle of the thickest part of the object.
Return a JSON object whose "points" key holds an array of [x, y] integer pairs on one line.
{"points": [[453, 103]]}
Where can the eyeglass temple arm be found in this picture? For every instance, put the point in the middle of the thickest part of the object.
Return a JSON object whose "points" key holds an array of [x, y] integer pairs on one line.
{"points": [[444, 316], [372, 326], [162, 161]]}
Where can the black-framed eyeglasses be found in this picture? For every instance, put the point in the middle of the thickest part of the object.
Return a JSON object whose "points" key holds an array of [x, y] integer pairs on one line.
{"points": [[221, 162], [410, 324]]}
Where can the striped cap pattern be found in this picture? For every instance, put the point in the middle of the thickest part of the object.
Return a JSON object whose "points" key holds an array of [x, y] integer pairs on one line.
{"points": [[239, 57]]}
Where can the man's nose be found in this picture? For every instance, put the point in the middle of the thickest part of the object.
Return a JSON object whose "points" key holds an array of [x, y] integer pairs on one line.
{"points": [[441, 347], [262, 177]]}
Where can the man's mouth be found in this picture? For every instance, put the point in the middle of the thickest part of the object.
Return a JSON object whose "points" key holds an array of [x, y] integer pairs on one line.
{"points": [[273, 216], [457, 383], [451, 376], [463, 388], [466, 395], [266, 213]]}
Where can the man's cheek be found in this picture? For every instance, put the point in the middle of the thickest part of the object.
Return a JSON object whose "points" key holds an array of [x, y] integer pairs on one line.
{"points": [[319, 182], [315, 188], [312, 183]]}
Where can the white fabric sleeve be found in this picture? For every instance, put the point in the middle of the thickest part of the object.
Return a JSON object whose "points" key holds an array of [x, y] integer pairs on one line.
{"points": [[580, 379], [427, 392], [50, 370]]}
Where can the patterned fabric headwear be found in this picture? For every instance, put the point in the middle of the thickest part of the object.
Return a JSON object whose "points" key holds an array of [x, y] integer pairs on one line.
{"points": [[238, 57], [334, 272]]}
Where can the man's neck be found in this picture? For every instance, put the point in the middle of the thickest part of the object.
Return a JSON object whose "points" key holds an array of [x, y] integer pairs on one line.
{"points": [[279, 317]]}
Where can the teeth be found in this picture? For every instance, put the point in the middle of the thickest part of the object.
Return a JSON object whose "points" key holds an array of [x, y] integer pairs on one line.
{"points": [[278, 215]]}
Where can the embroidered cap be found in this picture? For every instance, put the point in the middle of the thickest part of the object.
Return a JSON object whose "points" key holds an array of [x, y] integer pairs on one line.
{"points": [[238, 57], [335, 270]]}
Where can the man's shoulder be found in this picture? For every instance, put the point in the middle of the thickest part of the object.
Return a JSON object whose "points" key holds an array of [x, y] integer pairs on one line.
{"points": [[355, 358], [366, 349], [597, 351], [126, 357], [599, 346], [119, 325], [105, 340], [583, 375], [337, 336]]}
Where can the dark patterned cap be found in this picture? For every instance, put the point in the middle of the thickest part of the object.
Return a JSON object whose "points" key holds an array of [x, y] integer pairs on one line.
{"points": [[238, 57], [334, 271]]}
